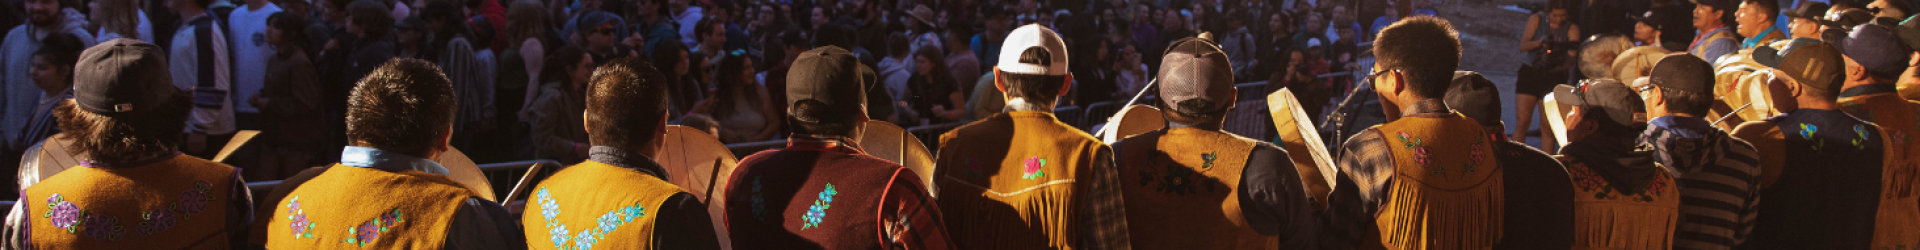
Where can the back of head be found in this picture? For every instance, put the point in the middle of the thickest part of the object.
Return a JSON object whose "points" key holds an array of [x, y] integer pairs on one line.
{"points": [[1424, 48], [1475, 97], [405, 106], [826, 92], [372, 16], [1196, 82], [1033, 64], [625, 104], [123, 109]]}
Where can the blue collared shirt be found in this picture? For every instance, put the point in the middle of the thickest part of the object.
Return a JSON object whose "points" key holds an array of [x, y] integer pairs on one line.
{"points": [[388, 161], [1755, 40]]}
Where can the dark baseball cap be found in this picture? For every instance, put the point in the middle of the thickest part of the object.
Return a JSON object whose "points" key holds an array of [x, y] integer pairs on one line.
{"points": [[1651, 18], [1811, 62], [1717, 4], [1682, 72], [1196, 69], [1875, 47], [1846, 18], [1621, 105], [122, 76], [1475, 97], [1809, 10], [831, 76]]}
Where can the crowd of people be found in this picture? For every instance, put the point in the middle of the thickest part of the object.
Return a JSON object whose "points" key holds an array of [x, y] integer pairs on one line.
{"points": [[1661, 144]]}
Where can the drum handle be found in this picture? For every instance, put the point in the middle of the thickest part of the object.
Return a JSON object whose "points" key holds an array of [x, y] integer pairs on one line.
{"points": [[1731, 113], [1136, 98]]}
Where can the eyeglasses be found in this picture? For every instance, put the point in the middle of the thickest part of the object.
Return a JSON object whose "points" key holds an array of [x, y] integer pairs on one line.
{"points": [[1644, 89], [1375, 74]]}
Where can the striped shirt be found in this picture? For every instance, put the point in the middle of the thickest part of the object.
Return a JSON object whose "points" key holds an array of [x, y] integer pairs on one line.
{"points": [[1718, 176]]}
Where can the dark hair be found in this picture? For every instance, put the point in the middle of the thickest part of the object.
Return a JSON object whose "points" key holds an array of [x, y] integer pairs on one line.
{"points": [[815, 110], [1771, 7], [293, 28], [1034, 88], [405, 106], [1423, 48], [897, 44], [560, 65], [705, 27], [61, 49], [128, 137], [625, 102], [730, 85], [666, 56], [1686, 102], [372, 16], [456, 25]]}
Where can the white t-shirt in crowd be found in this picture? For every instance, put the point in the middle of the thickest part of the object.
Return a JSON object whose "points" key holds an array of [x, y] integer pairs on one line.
{"points": [[145, 28], [248, 32]]}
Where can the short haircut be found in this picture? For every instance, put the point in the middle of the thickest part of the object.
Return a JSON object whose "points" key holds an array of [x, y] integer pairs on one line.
{"points": [[1686, 102], [405, 106], [1423, 48], [372, 16], [626, 101], [1771, 8], [705, 27], [61, 49], [125, 137], [1034, 88]]}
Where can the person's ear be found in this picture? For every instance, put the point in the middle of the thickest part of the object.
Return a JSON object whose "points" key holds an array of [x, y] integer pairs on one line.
{"points": [[1399, 83], [997, 80], [1066, 86]]}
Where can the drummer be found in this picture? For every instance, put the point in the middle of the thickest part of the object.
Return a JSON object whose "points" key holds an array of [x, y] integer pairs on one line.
{"points": [[1875, 58], [822, 190], [1755, 22], [1678, 94], [1203, 172], [1538, 213], [1819, 167], [1021, 179], [385, 193], [625, 120], [129, 123], [1622, 200], [1711, 17], [1426, 154]]}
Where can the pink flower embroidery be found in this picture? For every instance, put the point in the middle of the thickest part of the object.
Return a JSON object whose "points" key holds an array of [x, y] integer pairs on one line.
{"points": [[1033, 171]]}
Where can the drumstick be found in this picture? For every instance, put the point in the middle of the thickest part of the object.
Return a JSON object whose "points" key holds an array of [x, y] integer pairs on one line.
{"points": [[1731, 113]]}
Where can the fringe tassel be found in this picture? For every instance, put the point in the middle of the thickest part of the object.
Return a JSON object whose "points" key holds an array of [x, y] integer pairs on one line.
{"points": [[1443, 219], [1625, 224]]}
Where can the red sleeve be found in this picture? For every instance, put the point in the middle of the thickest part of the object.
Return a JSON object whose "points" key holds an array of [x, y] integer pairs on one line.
{"points": [[908, 217]]}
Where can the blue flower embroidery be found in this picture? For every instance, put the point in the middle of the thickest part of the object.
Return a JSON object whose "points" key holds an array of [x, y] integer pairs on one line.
{"points": [[585, 238], [818, 210], [1807, 130]]}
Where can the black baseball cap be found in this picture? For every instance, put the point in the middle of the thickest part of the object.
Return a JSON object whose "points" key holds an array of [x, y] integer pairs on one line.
{"points": [[1875, 47], [1475, 97], [1650, 18], [831, 76], [1811, 62], [1622, 105], [1809, 10], [1682, 72], [1196, 69], [122, 76]]}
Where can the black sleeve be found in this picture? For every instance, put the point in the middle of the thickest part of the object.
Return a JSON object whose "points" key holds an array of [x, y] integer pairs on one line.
{"points": [[483, 224], [1273, 199], [684, 224], [239, 212]]}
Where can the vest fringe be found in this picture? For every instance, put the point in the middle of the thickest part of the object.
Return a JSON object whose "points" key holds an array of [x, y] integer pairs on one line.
{"points": [[1444, 219], [1617, 226]]}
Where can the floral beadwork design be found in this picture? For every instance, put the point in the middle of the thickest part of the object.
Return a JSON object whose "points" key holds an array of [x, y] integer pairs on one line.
{"points": [[195, 200], [101, 226], [1807, 130], [370, 230], [1589, 181], [561, 236], [302, 228], [1033, 165], [974, 170], [1898, 137], [1860, 141], [1208, 157], [63, 214], [157, 220], [1421, 155], [818, 211]]}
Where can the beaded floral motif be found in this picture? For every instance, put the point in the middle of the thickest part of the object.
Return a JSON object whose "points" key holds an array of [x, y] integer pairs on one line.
{"points": [[759, 203], [1807, 130], [560, 235], [157, 220], [1860, 141], [1208, 157], [101, 226], [195, 200], [63, 214], [1589, 181], [973, 170], [302, 228], [1033, 165], [1421, 156], [818, 211], [370, 230]]}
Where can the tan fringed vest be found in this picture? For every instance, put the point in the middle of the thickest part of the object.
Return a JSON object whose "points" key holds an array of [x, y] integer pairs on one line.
{"points": [[1898, 225], [1182, 190], [593, 205], [1607, 218], [1009, 182], [180, 203], [362, 208], [1447, 190]]}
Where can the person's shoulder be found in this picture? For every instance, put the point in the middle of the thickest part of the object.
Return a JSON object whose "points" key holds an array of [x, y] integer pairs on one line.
{"points": [[1514, 154], [1750, 130]]}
